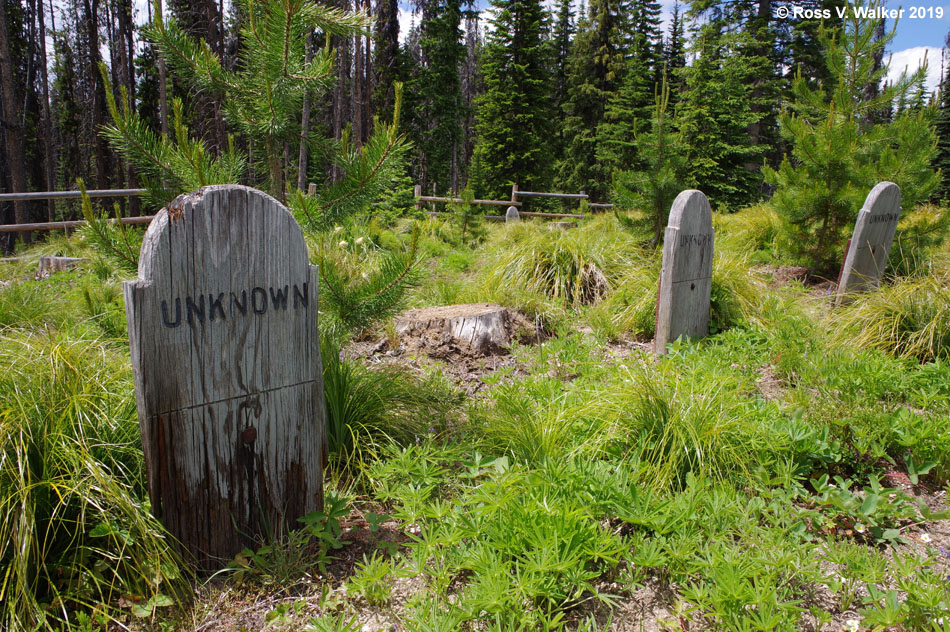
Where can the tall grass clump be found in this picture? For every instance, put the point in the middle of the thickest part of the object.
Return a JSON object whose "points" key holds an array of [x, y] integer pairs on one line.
{"points": [[28, 303], [75, 527], [538, 419], [753, 229], [693, 423], [572, 267], [366, 405], [909, 318]]}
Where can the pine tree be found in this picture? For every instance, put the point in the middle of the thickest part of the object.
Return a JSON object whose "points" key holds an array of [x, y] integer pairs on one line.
{"points": [[595, 71], [652, 188], [515, 115], [840, 151], [714, 118]]}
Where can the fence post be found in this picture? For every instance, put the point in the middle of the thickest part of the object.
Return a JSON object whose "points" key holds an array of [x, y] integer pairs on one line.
{"points": [[417, 193], [514, 192]]}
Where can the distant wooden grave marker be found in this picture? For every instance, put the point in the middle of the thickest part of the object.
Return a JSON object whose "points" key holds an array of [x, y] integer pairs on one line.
{"points": [[511, 215], [866, 259], [228, 378], [686, 277]]}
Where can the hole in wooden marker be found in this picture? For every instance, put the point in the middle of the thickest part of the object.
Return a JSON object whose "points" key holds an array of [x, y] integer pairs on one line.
{"points": [[249, 435], [692, 286]]}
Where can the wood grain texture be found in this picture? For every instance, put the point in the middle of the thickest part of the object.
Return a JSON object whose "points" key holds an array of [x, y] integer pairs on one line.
{"points": [[874, 230], [228, 378], [484, 326], [686, 276]]}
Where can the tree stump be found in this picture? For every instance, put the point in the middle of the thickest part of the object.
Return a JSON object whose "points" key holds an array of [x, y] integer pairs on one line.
{"points": [[49, 265], [562, 225], [487, 327]]}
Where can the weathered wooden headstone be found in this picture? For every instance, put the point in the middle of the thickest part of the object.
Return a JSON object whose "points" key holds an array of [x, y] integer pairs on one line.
{"points": [[686, 277], [228, 378], [512, 215], [870, 245]]}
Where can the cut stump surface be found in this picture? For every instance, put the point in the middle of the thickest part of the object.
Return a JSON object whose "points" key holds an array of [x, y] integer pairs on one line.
{"points": [[486, 327]]}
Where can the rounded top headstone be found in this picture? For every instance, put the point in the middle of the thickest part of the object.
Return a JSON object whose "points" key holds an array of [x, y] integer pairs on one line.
{"points": [[512, 215], [690, 212]]}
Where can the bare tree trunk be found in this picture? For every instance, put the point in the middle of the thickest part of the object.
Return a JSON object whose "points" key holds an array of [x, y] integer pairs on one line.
{"points": [[162, 82], [12, 123], [358, 91], [304, 128], [49, 147], [98, 93]]}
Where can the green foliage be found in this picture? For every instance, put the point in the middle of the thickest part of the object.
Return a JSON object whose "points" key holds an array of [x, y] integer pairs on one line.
{"points": [[118, 244], [573, 267], [653, 188], [76, 531], [355, 295], [515, 117], [367, 173], [167, 167], [466, 219], [909, 318], [715, 115], [840, 150], [264, 95], [288, 559], [366, 406], [373, 579]]}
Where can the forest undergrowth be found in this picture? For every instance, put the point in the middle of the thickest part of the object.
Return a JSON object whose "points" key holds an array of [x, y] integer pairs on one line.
{"points": [[789, 472]]}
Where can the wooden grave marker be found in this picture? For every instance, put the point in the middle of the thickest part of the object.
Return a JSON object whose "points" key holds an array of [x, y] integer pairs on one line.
{"points": [[686, 277], [228, 378], [866, 258]]}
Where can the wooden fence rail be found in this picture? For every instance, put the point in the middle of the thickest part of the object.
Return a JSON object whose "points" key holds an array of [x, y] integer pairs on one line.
{"points": [[70, 195], [23, 228]]}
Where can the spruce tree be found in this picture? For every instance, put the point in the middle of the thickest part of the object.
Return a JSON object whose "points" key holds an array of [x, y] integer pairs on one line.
{"points": [[714, 118], [630, 108], [437, 88], [595, 71], [840, 150], [515, 117]]}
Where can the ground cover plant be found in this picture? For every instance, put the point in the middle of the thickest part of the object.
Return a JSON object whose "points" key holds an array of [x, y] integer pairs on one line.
{"points": [[788, 472]]}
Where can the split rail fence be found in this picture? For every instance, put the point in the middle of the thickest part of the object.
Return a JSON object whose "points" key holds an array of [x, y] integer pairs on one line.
{"points": [[514, 201], [68, 195]]}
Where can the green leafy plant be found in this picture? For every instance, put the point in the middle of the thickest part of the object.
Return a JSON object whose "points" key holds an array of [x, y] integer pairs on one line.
{"points": [[373, 579]]}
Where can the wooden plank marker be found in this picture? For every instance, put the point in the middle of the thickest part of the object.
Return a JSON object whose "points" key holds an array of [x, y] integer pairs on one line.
{"points": [[866, 259], [686, 277], [511, 215], [228, 378]]}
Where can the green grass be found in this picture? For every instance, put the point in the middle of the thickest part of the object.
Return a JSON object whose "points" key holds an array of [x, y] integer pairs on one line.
{"points": [[75, 532], [587, 482]]}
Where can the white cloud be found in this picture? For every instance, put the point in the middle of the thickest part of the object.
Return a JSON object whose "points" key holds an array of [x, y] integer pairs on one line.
{"points": [[911, 59]]}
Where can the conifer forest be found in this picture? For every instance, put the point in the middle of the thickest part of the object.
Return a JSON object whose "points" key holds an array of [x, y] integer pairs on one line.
{"points": [[479, 315]]}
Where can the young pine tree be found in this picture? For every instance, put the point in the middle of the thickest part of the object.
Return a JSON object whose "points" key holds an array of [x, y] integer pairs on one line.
{"points": [[515, 119], [652, 189], [840, 150]]}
